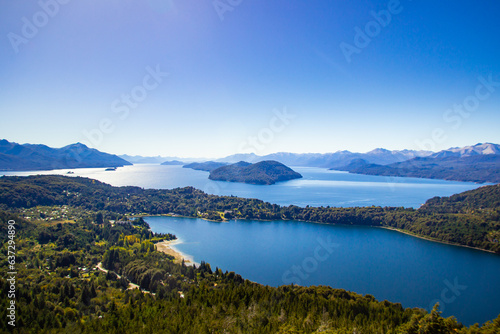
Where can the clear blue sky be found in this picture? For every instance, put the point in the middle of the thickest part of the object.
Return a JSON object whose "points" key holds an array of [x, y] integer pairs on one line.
{"points": [[69, 69]]}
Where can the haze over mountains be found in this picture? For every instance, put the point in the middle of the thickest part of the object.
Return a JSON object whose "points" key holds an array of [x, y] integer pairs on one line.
{"points": [[329, 160]]}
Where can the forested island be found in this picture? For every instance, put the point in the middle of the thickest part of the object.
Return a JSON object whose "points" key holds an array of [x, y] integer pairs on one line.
{"points": [[67, 228], [264, 172]]}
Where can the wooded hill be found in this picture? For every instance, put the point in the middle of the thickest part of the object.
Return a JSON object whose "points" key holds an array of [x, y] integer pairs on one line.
{"points": [[60, 289], [264, 172]]}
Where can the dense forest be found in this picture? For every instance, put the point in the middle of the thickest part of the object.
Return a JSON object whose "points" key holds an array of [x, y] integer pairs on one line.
{"points": [[79, 271], [471, 218]]}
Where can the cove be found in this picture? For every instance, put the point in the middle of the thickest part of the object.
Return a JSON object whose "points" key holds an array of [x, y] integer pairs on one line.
{"points": [[386, 264]]}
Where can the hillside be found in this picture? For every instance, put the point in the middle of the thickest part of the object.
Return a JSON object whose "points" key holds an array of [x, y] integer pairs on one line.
{"points": [[16, 157], [484, 199], [265, 172]]}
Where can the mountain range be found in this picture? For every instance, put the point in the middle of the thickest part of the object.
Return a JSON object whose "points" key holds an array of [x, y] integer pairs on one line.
{"points": [[329, 160], [17, 157], [475, 163], [468, 151], [139, 159], [478, 163]]}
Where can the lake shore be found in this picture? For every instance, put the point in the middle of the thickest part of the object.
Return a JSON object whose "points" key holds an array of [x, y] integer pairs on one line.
{"points": [[431, 239], [168, 247], [315, 222]]}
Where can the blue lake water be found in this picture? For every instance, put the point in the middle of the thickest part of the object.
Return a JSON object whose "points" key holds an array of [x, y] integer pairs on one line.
{"points": [[386, 264], [319, 187]]}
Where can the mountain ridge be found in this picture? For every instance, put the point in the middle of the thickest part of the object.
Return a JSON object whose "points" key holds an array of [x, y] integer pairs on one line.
{"points": [[456, 166], [23, 157], [329, 160]]}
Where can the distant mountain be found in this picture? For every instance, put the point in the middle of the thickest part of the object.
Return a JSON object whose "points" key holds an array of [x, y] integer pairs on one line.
{"points": [[330, 160], [205, 166], [264, 172], [137, 159], [469, 151], [16, 157], [247, 157], [479, 163], [172, 163]]}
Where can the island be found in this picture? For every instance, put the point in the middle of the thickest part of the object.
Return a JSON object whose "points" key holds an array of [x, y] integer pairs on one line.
{"points": [[264, 172]]}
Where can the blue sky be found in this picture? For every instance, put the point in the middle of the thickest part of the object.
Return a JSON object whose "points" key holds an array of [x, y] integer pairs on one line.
{"points": [[428, 77]]}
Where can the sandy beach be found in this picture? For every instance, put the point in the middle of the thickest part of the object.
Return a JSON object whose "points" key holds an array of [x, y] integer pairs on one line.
{"points": [[168, 247]]}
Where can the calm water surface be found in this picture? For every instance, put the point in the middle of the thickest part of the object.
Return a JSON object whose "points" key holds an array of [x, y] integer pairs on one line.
{"points": [[319, 187], [386, 264]]}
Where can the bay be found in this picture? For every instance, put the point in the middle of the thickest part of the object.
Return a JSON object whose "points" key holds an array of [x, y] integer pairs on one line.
{"points": [[386, 264], [318, 187]]}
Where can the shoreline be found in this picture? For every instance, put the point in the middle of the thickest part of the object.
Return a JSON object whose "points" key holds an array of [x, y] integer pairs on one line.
{"points": [[313, 222], [433, 240], [168, 247]]}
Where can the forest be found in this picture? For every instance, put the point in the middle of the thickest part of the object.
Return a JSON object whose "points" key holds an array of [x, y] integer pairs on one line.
{"points": [[79, 272], [470, 219]]}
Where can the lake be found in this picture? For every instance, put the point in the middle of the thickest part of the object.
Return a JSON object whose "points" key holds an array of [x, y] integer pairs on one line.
{"points": [[386, 264], [318, 187]]}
